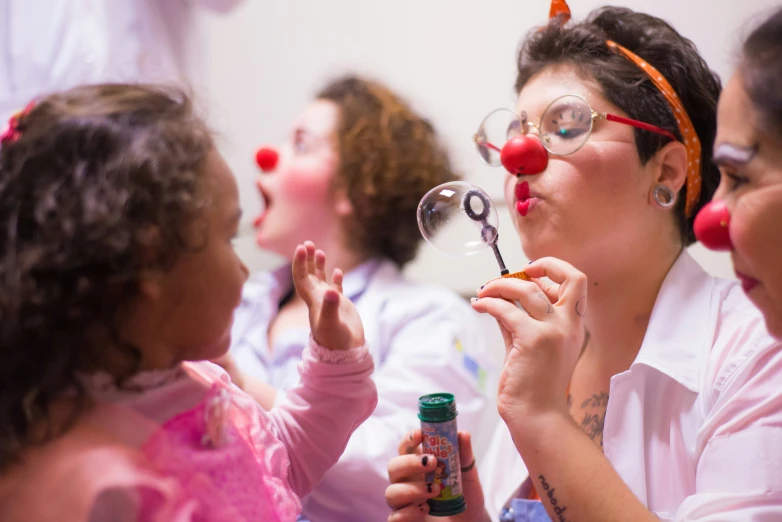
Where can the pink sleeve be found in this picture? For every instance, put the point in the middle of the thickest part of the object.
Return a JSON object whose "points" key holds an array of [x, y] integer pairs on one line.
{"points": [[335, 394]]}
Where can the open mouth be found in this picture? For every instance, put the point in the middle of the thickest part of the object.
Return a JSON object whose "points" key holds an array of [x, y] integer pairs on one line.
{"points": [[266, 200]]}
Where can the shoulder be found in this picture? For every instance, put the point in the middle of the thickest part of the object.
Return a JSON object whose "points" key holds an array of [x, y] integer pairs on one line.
{"points": [[66, 478], [398, 292]]}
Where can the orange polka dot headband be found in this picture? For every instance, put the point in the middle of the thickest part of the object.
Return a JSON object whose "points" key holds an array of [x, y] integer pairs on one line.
{"points": [[559, 8]]}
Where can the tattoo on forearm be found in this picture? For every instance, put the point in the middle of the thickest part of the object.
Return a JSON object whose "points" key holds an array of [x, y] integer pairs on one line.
{"points": [[594, 420], [597, 400], [546, 490], [593, 427]]}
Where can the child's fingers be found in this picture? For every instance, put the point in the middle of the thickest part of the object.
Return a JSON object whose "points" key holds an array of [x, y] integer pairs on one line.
{"points": [[320, 264], [411, 442], [329, 311], [336, 279], [310, 247], [411, 513], [300, 275], [406, 468]]}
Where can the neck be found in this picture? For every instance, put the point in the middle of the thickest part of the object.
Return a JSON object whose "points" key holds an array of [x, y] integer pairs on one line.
{"points": [[621, 299], [342, 259], [118, 361]]}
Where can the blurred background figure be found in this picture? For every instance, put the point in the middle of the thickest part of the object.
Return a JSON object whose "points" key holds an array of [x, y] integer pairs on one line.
{"points": [[349, 177], [48, 45]]}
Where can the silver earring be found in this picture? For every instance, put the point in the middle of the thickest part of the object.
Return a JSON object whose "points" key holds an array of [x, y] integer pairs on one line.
{"points": [[664, 196]]}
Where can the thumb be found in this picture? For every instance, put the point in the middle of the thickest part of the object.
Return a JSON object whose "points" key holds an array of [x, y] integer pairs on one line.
{"points": [[329, 312], [327, 317]]}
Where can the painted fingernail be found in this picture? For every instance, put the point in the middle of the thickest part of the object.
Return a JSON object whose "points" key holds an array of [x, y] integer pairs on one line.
{"points": [[482, 287], [420, 507], [425, 460], [429, 487], [411, 436], [474, 299]]}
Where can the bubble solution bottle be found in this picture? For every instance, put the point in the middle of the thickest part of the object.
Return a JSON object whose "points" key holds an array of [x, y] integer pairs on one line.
{"points": [[437, 413]]}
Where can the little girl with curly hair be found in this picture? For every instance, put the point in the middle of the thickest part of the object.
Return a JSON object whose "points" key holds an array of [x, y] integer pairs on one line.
{"points": [[118, 281]]}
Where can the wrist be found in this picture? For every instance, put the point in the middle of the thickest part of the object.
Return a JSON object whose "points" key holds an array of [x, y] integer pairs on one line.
{"points": [[334, 356], [533, 426]]}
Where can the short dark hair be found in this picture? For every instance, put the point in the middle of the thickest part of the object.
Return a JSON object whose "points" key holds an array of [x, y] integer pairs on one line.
{"points": [[583, 44], [93, 170], [761, 71], [389, 157]]}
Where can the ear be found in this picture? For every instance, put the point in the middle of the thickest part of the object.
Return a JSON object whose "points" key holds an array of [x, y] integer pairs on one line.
{"points": [[342, 205], [150, 285], [150, 282], [670, 168]]}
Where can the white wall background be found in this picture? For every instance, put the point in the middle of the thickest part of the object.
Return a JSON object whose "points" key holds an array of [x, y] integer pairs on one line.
{"points": [[454, 60]]}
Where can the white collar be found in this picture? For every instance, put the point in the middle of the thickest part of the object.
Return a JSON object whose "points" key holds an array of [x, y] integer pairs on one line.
{"points": [[681, 327]]}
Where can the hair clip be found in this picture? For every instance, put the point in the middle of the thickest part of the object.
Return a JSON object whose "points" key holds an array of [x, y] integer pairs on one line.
{"points": [[12, 132]]}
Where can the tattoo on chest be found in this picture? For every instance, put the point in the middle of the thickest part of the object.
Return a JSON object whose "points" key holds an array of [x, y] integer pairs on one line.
{"points": [[595, 416]]}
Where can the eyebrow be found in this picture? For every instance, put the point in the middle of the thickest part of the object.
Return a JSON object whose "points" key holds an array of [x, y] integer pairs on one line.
{"points": [[729, 154]]}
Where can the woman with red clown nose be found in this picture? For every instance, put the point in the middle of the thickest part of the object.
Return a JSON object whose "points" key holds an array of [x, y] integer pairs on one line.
{"points": [[349, 177], [746, 215], [636, 387]]}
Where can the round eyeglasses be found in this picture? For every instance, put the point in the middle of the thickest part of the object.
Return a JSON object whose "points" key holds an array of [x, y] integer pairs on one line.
{"points": [[563, 129]]}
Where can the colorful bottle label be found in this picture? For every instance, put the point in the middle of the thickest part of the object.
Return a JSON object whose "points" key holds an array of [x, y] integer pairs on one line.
{"points": [[440, 440]]}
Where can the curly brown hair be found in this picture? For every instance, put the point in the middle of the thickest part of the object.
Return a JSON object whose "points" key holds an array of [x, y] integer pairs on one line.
{"points": [[628, 87], [93, 170], [389, 157]]}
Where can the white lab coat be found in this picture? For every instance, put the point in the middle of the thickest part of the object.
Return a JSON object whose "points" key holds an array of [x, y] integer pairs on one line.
{"points": [[694, 427], [423, 339]]}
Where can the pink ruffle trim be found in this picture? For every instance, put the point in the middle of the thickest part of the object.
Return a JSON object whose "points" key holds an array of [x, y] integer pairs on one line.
{"points": [[323, 354]]}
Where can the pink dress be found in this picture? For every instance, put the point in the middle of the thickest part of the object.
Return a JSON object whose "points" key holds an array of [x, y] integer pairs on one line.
{"points": [[185, 445]]}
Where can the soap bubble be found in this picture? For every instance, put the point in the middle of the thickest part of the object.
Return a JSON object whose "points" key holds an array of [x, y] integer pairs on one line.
{"points": [[458, 219]]}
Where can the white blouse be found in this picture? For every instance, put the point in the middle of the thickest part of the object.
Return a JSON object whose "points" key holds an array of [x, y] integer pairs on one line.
{"points": [[694, 426]]}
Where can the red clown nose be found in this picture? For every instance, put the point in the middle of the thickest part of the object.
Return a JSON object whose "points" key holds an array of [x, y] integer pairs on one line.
{"points": [[712, 226], [524, 155], [267, 158]]}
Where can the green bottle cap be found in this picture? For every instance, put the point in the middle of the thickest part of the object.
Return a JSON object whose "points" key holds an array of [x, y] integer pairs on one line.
{"points": [[437, 407]]}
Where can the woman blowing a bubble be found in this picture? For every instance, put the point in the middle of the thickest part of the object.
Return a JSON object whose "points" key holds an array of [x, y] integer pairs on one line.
{"points": [[625, 406]]}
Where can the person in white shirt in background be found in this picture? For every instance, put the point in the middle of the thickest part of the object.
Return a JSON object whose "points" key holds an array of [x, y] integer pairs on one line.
{"points": [[350, 177], [748, 149], [659, 397], [51, 45]]}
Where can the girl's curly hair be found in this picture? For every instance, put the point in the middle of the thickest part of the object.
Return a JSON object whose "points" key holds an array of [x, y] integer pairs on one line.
{"points": [[96, 188]]}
